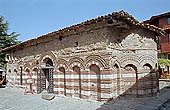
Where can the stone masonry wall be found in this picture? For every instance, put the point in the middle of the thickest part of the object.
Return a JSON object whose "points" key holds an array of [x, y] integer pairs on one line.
{"points": [[98, 64]]}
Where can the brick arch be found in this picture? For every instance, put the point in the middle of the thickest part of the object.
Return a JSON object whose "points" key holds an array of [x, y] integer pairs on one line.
{"points": [[151, 60], [27, 65], [27, 69], [49, 55], [34, 67], [152, 64], [96, 59], [35, 63], [77, 71], [20, 64], [148, 65], [63, 71], [152, 77], [16, 71], [132, 66], [62, 68], [95, 70], [62, 63], [131, 87], [117, 72], [76, 62], [115, 63], [129, 59], [35, 71], [19, 67], [15, 74]]}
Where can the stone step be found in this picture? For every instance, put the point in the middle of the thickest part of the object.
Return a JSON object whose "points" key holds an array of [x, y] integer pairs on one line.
{"points": [[47, 96]]}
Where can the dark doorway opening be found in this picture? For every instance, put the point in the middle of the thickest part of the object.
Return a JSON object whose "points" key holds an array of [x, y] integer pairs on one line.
{"points": [[45, 77]]}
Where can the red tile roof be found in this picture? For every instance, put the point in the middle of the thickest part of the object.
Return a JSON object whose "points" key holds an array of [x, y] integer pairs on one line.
{"points": [[120, 15], [156, 17]]}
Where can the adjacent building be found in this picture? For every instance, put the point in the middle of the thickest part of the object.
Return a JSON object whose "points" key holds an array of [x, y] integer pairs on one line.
{"points": [[162, 21], [99, 59]]}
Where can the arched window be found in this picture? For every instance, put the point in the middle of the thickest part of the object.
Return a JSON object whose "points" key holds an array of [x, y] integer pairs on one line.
{"points": [[131, 67], [48, 62], [147, 66]]}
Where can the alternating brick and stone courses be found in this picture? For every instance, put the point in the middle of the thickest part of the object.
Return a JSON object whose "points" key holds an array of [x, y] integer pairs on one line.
{"points": [[99, 59]]}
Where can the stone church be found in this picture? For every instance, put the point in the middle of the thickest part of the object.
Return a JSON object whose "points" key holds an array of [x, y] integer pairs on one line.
{"points": [[99, 59]]}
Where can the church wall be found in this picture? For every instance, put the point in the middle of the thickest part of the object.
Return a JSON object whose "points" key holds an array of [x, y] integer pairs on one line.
{"points": [[126, 61]]}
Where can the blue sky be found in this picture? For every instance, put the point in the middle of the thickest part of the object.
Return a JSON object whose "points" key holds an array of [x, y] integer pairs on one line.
{"points": [[32, 18]]}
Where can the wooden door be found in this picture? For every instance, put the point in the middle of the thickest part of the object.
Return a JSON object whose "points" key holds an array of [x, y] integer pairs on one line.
{"points": [[41, 81], [51, 81]]}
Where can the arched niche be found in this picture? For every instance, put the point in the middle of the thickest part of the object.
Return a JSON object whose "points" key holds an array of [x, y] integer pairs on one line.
{"points": [[48, 62], [130, 78], [77, 72], [149, 79], [35, 71], [116, 70], [94, 69], [62, 70]]}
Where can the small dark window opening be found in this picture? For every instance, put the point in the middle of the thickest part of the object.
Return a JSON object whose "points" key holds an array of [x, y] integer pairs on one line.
{"points": [[37, 62], [60, 38], [168, 56], [76, 44], [49, 63], [118, 40], [159, 41], [110, 21], [21, 76], [169, 20], [169, 37]]}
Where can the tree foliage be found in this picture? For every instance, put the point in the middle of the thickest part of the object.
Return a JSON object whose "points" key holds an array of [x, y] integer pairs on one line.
{"points": [[6, 39], [162, 61]]}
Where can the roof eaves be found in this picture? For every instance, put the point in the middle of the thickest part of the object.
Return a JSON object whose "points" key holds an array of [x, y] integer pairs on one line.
{"points": [[122, 15]]}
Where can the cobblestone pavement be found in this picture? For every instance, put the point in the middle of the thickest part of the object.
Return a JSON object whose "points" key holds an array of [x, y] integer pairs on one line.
{"points": [[165, 106], [148, 103], [14, 99]]}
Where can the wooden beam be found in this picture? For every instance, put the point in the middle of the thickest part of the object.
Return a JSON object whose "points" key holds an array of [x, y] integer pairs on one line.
{"points": [[123, 25], [118, 24]]}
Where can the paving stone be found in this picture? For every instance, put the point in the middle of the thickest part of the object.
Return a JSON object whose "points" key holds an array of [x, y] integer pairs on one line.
{"points": [[47, 96], [14, 99]]}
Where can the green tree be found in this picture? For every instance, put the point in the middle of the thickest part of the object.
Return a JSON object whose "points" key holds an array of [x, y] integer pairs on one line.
{"points": [[165, 62], [6, 39]]}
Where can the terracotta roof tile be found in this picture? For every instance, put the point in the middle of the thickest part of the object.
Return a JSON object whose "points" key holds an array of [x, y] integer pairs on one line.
{"points": [[157, 16], [116, 15]]}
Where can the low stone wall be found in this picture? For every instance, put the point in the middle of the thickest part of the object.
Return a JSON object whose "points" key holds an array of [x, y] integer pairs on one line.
{"points": [[164, 83]]}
